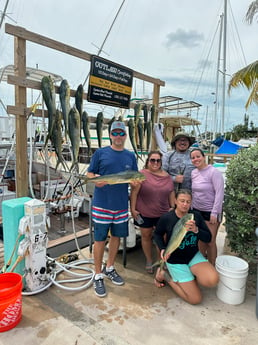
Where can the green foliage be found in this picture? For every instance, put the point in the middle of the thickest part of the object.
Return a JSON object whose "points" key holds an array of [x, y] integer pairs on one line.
{"points": [[241, 203], [242, 131]]}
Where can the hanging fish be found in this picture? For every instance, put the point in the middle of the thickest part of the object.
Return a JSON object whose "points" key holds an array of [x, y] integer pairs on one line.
{"points": [[149, 134], [79, 99], [86, 130], [153, 110], [64, 97], [145, 116], [74, 131], [56, 139], [79, 103], [99, 127], [49, 96], [140, 130], [109, 127], [131, 129], [137, 112]]}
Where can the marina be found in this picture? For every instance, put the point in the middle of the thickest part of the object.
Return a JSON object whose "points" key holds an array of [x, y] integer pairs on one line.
{"points": [[47, 227], [136, 313]]}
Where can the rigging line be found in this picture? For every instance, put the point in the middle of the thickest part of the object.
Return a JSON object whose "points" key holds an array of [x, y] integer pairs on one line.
{"points": [[235, 26], [102, 45], [206, 61], [192, 84], [4, 13]]}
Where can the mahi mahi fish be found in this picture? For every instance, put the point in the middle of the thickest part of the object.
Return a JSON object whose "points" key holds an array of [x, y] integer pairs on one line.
{"points": [[99, 127], [49, 96], [64, 96], [74, 131], [178, 234], [86, 130], [56, 139], [127, 176], [131, 128]]}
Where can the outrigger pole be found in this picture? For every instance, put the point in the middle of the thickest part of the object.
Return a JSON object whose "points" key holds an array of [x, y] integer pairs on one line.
{"points": [[102, 45]]}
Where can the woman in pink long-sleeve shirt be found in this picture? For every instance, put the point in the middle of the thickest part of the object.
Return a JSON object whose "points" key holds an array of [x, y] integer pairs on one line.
{"points": [[208, 195]]}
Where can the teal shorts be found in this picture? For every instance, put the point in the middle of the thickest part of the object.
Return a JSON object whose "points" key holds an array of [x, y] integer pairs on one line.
{"points": [[181, 273]]}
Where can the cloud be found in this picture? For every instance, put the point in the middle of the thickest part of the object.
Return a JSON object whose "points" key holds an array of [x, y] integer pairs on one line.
{"points": [[184, 38]]}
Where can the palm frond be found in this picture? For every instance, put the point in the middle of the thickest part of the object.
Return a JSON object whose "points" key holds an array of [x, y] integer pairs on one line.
{"points": [[247, 77], [253, 97], [251, 12]]}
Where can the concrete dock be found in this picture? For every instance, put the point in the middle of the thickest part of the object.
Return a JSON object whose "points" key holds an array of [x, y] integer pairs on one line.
{"points": [[135, 313]]}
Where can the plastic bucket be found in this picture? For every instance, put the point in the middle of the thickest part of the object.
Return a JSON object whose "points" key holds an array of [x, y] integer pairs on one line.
{"points": [[131, 238], [10, 300], [233, 273]]}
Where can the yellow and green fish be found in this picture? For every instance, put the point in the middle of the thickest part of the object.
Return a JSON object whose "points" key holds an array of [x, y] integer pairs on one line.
{"points": [[127, 176], [177, 237]]}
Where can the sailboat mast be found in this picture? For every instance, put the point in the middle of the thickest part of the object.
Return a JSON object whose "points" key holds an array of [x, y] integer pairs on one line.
{"points": [[224, 66], [215, 119]]}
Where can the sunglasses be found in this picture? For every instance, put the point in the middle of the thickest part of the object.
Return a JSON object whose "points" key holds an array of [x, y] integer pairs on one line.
{"points": [[116, 134], [153, 160]]}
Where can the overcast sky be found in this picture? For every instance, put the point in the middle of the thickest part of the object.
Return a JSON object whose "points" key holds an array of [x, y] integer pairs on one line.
{"points": [[172, 40]]}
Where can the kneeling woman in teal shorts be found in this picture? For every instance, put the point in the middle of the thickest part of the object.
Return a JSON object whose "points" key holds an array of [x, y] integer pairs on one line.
{"points": [[186, 266]]}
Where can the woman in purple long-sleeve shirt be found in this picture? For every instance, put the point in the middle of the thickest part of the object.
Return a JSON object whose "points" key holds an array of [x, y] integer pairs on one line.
{"points": [[208, 195]]}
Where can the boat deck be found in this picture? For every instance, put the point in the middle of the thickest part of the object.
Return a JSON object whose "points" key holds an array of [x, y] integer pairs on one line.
{"points": [[61, 235]]}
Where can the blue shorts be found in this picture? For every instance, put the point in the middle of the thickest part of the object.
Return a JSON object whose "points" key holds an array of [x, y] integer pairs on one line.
{"points": [[181, 273], [107, 220]]}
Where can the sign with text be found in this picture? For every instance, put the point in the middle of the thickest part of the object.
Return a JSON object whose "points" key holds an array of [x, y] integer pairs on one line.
{"points": [[109, 83]]}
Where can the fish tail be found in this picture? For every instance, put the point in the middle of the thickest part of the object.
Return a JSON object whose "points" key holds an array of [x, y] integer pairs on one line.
{"points": [[158, 263]]}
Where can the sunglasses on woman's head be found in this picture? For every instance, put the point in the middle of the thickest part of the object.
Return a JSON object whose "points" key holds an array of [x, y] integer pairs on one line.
{"points": [[116, 134], [153, 160]]}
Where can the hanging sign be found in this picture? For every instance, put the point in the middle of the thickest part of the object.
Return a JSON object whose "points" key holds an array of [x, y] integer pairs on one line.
{"points": [[109, 83]]}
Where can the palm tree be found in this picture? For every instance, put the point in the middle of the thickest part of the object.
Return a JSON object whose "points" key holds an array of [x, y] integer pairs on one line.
{"points": [[248, 76], [251, 12]]}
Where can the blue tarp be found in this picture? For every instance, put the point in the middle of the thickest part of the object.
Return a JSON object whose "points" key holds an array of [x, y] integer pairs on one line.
{"points": [[218, 141], [228, 147]]}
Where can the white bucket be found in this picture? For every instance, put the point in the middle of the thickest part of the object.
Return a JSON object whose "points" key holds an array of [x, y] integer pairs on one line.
{"points": [[131, 239], [233, 273]]}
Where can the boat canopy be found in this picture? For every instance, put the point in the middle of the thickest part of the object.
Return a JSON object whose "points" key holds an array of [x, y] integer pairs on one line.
{"points": [[228, 147], [34, 74]]}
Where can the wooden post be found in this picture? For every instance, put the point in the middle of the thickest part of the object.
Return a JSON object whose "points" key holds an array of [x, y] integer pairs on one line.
{"points": [[156, 91], [21, 120]]}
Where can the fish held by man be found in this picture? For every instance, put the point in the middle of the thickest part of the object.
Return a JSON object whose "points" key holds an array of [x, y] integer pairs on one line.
{"points": [[177, 237], [127, 176]]}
